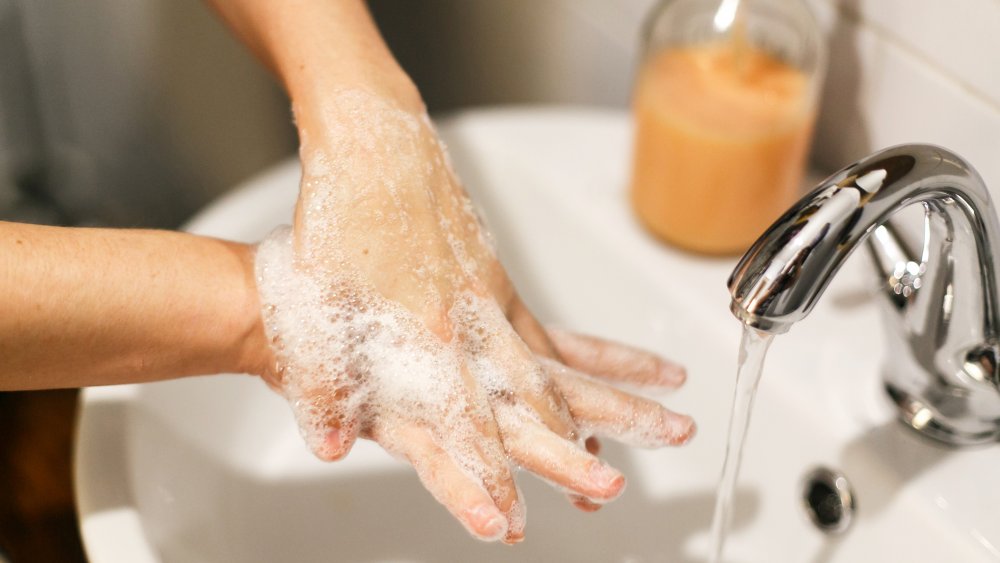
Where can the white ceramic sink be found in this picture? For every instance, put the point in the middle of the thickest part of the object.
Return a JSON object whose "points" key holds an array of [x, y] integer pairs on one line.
{"points": [[212, 468]]}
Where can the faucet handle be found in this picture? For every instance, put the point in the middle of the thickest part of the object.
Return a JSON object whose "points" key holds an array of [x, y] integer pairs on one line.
{"points": [[941, 368], [900, 269]]}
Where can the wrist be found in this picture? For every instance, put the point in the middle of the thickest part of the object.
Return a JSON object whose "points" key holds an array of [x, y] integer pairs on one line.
{"points": [[320, 103], [253, 354], [320, 48]]}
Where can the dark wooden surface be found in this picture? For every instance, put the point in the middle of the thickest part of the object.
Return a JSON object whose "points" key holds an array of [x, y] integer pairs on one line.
{"points": [[37, 512]]}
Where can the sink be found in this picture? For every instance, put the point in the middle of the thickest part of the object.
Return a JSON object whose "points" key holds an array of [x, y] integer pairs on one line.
{"points": [[213, 469]]}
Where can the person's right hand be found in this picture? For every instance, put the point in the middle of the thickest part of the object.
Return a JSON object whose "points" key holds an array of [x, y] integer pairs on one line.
{"points": [[394, 321]]}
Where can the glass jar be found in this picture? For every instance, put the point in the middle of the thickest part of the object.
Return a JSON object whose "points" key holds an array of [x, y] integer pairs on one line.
{"points": [[724, 105]]}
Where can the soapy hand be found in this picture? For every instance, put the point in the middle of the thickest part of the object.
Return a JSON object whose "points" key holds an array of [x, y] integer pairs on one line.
{"points": [[391, 319]]}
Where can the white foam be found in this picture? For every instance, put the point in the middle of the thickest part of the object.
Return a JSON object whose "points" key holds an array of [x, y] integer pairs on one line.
{"points": [[377, 303], [350, 358]]}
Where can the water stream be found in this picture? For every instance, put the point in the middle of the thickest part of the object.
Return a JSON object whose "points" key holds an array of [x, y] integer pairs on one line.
{"points": [[753, 348]]}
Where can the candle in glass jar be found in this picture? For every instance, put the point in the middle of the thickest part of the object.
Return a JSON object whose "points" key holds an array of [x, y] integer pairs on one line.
{"points": [[722, 132]]}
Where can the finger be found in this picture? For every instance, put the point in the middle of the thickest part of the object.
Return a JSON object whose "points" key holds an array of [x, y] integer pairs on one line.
{"points": [[559, 461], [530, 330], [584, 504], [593, 447], [611, 412], [526, 381], [550, 406], [338, 442], [476, 445], [327, 422], [466, 499], [614, 361], [497, 476]]}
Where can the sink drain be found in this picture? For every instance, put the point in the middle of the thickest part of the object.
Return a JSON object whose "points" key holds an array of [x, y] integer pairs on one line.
{"points": [[828, 500]]}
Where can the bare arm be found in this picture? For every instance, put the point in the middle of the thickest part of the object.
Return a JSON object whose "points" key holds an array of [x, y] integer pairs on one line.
{"points": [[319, 47], [103, 306], [391, 316], [435, 357]]}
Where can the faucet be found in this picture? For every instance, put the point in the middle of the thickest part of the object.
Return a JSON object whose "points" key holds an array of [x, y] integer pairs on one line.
{"points": [[939, 297]]}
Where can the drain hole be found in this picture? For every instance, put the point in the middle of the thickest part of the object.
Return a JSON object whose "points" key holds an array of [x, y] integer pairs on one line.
{"points": [[829, 500], [825, 504]]}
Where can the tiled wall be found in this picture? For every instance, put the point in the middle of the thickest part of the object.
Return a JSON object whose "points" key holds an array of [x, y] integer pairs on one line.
{"points": [[912, 71]]}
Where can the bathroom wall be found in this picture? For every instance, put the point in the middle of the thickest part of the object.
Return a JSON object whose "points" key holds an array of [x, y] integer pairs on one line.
{"points": [[141, 111], [472, 52], [21, 149], [900, 70], [913, 70], [146, 109]]}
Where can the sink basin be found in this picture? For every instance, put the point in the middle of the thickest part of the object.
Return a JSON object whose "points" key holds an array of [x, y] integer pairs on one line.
{"points": [[213, 469]]}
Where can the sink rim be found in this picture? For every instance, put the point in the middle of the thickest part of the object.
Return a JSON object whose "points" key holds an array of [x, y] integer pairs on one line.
{"points": [[112, 528]]}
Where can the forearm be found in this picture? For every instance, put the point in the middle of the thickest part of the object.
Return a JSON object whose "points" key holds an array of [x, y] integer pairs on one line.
{"points": [[100, 306], [348, 94], [317, 47]]}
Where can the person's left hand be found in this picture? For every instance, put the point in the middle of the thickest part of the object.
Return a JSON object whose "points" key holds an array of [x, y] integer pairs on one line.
{"points": [[394, 321]]}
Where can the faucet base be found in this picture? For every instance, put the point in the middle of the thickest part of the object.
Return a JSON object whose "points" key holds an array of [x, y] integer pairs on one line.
{"points": [[928, 421]]}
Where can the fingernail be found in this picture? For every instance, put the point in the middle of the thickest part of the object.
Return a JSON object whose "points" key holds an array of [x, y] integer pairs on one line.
{"points": [[512, 539], [586, 505], [487, 522], [607, 478]]}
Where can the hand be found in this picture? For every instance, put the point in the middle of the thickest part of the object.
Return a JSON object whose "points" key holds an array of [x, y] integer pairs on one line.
{"points": [[393, 320]]}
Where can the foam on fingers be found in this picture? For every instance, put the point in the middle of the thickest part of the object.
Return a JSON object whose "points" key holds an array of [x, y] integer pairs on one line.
{"points": [[604, 410], [389, 317], [615, 361], [562, 463], [354, 362], [451, 486]]}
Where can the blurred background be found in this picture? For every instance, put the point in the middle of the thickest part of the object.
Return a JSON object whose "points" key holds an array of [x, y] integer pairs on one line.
{"points": [[140, 112]]}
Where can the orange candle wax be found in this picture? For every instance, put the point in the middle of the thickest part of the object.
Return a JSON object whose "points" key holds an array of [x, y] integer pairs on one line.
{"points": [[722, 133]]}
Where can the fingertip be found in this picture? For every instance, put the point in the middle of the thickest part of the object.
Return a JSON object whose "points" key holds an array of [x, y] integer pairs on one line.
{"points": [[337, 443], [609, 481], [688, 433], [680, 429], [515, 523], [584, 504], [671, 374], [513, 539], [486, 522]]}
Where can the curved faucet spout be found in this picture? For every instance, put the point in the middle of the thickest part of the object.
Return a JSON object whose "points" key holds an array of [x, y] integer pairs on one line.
{"points": [[942, 311], [778, 281]]}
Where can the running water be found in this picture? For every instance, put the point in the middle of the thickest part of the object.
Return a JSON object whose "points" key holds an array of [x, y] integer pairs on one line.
{"points": [[753, 348]]}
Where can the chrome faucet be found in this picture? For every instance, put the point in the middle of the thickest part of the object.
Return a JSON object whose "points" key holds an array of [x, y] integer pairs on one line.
{"points": [[941, 312]]}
